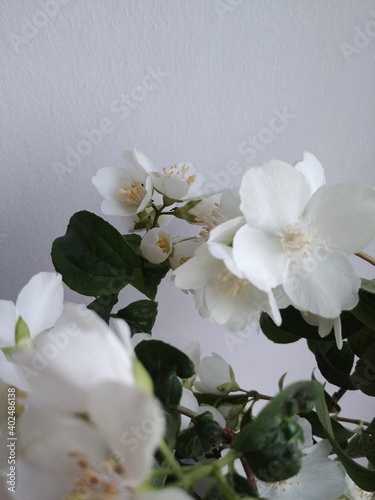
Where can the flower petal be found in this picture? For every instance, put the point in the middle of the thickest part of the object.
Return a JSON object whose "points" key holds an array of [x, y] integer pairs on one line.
{"points": [[344, 215], [273, 196], [40, 302], [135, 162], [313, 171], [66, 360], [195, 273], [174, 186], [8, 320], [260, 256], [327, 288], [11, 374], [134, 426]]}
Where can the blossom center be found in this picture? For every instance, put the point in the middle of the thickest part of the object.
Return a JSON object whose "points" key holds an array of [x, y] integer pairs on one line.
{"points": [[182, 170], [301, 240], [164, 243], [132, 193], [98, 481], [231, 284]]}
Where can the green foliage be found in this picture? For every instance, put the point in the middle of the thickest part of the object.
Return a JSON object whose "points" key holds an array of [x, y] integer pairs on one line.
{"points": [[166, 365], [364, 478], [103, 306], [139, 315], [334, 364], [200, 438], [96, 260], [270, 443]]}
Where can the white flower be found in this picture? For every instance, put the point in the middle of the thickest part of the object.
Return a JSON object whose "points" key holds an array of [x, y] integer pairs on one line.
{"points": [[126, 190], [39, 304], [183, 249], [79, 352], [299, 238], [174, 182], [210, 212], [319, 477], [156, 245], [106, 455], [216, 376], [221, 290]]}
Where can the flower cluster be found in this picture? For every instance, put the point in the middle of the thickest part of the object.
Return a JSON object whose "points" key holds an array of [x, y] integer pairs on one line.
{"points": [[102, 410]]}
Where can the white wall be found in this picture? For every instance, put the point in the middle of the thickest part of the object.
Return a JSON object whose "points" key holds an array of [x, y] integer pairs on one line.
{"points": [[224, 71]]}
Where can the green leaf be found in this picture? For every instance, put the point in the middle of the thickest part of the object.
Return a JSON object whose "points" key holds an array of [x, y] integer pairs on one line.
{"points": [[22, 333], [368, 440], [340, 433], [364, 478], [361, 341], [103, 306], [166, 365], [275, 333], [334, 364], [139, 315], [270, 443], [364, 373], [243, 487], [200, 438], [365, 309], [293, 327], [93, 258]]}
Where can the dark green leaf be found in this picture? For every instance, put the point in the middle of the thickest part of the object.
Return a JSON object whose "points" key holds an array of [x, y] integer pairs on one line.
{"points": [[163, 357], [364, 373], [365, 309], [93, 257], [334, 364], [364, 478], [275, 333], [341, 434], [361, 341], [200, 438], [139, 315], [103, 306], [293, 327], [270, 443], [243, 487], [368, 439], [165, 365]]}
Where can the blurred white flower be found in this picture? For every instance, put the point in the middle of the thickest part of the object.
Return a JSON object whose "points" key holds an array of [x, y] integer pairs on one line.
{"points": [[156, 245], [126, 190], [79, 352], [221, 290], [107, 453], [183, 250], [297, 237], [174, 182], [39, 304]]}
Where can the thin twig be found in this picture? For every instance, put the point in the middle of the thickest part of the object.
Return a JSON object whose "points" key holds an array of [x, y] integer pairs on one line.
{"points": [[336, 398], [351, 420], [366, 257]]}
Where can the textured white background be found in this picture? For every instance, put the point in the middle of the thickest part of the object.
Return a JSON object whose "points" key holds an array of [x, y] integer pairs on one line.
{"points": [[226, 68]]}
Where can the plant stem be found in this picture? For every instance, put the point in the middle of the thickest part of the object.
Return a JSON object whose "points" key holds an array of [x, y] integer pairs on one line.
{"points": [[169, 457], [249, 474], [351, 420], [366, 257], [184, 411], [336, 398]]}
